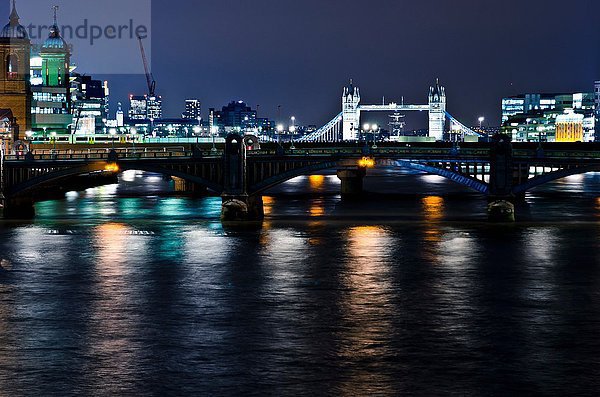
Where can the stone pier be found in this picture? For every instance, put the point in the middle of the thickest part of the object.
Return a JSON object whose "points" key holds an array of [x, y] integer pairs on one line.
{"points": [[352, 181]]}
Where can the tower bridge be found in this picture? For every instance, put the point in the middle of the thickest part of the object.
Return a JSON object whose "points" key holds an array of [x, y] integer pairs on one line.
{"points": [[241, 170], [346, 125]]}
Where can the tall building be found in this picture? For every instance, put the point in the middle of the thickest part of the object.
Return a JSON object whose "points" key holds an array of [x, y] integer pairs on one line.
{"points": [[192, 109], [89, 103], [154, 107], [137, 107], [145, 107], [236, 116], [437, 111], [350, 113], [15, 86], [51, 104]]}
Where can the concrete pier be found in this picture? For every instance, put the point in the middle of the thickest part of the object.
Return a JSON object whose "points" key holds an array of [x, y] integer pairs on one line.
{"points": [[352, 181], [241, 208]]}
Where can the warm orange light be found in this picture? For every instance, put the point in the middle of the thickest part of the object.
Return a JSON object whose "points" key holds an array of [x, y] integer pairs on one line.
{"points": [[111, 167], [316, 181], [366, 162]]}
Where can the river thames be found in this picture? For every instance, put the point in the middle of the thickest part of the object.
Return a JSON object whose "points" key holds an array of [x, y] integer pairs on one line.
{"points": [[124, 290]]}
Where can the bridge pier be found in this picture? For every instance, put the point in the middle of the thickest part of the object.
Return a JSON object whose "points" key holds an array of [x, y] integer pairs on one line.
{"points": [[241, 208], [501, 198], [18, 208], [352, 181]]}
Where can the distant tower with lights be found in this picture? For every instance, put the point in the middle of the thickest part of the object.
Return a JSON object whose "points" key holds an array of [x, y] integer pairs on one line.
{"points": [[350, 113], [437, 111]]}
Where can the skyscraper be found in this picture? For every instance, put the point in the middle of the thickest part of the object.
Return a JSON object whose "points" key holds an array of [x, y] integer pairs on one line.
{"points": [[192, 109]]}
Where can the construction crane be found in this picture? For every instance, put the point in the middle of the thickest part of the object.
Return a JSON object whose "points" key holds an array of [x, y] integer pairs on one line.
{"points": [[149, 78]]}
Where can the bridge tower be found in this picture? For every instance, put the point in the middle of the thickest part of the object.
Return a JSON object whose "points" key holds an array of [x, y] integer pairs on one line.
{"points": [[350, 113], [437, 111]]}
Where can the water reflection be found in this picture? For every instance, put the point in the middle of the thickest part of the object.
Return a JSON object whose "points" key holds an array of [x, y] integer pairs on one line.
{"points": [[367, 307], [433, 213]]}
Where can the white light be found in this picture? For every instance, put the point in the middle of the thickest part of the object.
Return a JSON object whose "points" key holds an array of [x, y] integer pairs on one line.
{"points": [[481, 119], [132, 131], [113, 131], [366, 127], [197, 129], [293, 118], [29, 133], [292, 128], [374, 127], [280, 127]]}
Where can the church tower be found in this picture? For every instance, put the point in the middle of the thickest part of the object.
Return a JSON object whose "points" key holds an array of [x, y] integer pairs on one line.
{"points": [[437, 111], [15, 88], [350, 113]]}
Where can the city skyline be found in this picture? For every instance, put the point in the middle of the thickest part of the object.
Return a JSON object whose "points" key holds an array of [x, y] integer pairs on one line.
{"points": [[302, 39]]}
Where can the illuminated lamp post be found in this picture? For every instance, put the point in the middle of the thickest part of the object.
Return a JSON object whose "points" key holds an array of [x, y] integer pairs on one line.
{"points": [[113, 132], [481, 120], [293, 131], [280, 129], [214, 131], [375, 130], [133, 133]]}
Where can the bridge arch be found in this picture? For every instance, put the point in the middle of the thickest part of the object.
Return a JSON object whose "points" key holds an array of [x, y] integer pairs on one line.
{"points": [[275, 180], [65, 173], [553, 176], [291, 174]]}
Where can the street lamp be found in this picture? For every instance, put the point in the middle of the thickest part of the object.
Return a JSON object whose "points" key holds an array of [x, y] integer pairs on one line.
{"points": [[279, 131], [374, 129], [29, 135], [133, 133], [113, 132], [53, 134], [214, 131], [481, 120], [293, 131]]}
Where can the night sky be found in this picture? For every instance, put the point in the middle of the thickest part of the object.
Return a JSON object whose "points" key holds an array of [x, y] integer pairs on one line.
{"points": [[299, 54]]}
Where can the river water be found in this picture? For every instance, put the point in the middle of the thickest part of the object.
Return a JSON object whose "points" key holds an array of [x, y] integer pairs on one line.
{"points": [[120, 290]]}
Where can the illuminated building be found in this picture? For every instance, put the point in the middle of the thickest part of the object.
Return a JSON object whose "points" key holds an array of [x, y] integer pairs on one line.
{"points": [[15, 89], [51, 103], [236, 116], [154, 107], [533, 117], [569, 127], [137, 107], [192, 109], [90, 104]]}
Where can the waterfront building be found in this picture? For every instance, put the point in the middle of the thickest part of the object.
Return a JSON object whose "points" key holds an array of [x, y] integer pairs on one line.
{"points": [[569, 127], [533, 117], [51, 100], [15, 86], [192, 109]]}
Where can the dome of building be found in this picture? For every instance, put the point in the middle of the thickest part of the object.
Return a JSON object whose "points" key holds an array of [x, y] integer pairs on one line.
{"points": [[14, 30], [54, 40]]}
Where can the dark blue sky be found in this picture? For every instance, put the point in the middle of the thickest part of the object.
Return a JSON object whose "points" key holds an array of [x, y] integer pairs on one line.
{"points": [[299, 53]]}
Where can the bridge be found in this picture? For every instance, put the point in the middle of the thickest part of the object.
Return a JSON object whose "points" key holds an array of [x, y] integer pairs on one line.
{"points": [[241, 170], [346, 125]]}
